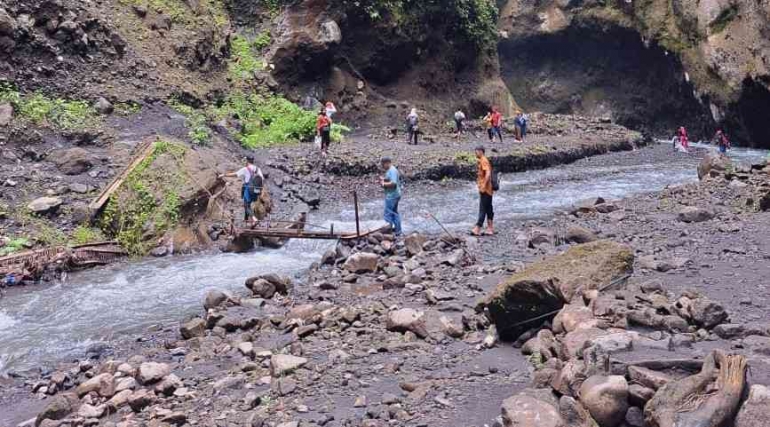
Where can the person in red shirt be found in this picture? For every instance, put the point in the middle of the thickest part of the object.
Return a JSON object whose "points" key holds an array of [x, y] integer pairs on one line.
{"points": [[683, 141], [497, 123], [323, 128]]}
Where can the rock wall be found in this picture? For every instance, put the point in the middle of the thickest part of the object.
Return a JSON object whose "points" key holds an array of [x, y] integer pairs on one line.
{"points": [[710, 57]]}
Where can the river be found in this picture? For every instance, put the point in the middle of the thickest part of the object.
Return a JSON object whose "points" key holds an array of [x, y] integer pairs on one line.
{"points": [[47, 324]]}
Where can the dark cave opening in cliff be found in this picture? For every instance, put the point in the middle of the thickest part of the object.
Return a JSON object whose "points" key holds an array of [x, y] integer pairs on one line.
{"points": [[749, 122], [595, 71]]}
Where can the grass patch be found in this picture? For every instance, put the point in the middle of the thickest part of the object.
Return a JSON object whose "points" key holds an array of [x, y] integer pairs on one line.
{"points": [[83, 235], [14, 245], [200, 132], [147, 204], [244, 62], [42, 110], [262, 41], [465, 158], [126, 109], [180, 12]]}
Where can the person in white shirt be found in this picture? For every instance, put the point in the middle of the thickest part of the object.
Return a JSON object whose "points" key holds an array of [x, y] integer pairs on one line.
{"points": [[459, 121], [251, 177]]}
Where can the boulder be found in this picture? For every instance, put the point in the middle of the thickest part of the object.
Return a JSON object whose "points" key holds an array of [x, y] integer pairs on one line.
{"points": [[547, 285], [570, 317], [568, 381], [639, 395], [7, 23], [103, 384], [577, 341], [282, 364], [540, 236], [152, 372], [578, 234], [58, 407], [73, 161], [414, 242], [6, 114], [713, 162], [194, 328], [606, 398], [267, 285], [214, 298], [707, 313], [756, 409], [44, 205], [691, 214], [574, 413], [361, 262], [90, 411], [140, 399], [407, 320], [523, 410], [120, 399], [102, 106]]}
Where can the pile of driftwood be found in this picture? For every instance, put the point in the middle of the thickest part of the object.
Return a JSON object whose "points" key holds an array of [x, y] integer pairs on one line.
{"points": [[32, 265]]}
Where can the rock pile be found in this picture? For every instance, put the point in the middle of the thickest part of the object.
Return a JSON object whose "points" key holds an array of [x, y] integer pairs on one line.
{"points": [[589, 359]]}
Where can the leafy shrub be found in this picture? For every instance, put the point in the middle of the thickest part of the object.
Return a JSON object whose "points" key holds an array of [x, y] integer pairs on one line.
{"points": [[243, 62], [262, 40], [199, 133], [147, 204], [83, 235], [270, 120], [14, 245], [44, 111]]}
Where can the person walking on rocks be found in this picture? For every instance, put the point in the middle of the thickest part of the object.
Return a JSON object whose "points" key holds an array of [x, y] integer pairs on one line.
{"points": [[412, 126], [497, 124], [484, 183], [488, 125], [459, 121], [391, 185], [252, 178], [323, 129], [521, 126]]}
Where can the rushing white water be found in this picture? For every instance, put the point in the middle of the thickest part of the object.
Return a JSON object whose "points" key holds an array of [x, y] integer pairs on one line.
{"points": [[59, 322]]}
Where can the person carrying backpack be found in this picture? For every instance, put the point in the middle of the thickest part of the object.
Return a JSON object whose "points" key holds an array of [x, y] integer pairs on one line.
{"points": [[486, 180], [412, 128], [252, 178]]}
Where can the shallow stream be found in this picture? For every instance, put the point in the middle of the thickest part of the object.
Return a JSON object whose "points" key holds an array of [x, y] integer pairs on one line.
{"points": [[45, 325]]}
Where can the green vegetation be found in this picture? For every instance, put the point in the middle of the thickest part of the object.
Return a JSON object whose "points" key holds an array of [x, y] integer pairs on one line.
{"points": [[41, 110], [83, 235], [243, 61], [127, 108], [465, 158], [262, 40], [724, 19], [200, 133], [148, 203], [270, 120], [14, 245]]}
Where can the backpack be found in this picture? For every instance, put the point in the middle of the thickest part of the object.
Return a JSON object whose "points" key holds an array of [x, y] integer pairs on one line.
{"points": [[495, 180], [255, 184]]}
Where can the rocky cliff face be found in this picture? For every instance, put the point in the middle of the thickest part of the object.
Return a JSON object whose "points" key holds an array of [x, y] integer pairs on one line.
{"points": [[702, 63]]}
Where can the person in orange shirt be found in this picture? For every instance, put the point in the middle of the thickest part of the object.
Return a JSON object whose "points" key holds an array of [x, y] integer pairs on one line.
{"points": [[484, 183], [323, 129]]}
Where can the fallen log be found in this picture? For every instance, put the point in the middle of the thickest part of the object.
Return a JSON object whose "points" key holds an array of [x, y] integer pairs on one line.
{"points": [[710, 398]]}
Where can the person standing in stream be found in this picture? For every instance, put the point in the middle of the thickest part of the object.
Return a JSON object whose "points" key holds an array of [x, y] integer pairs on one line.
{"points": [[391, 185], [484, 183], [323, 129], [247, 174]]}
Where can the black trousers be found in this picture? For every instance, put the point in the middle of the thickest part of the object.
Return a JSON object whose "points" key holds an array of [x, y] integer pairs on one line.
{"points": [[326, 139], [412, 135], [485, 209]]}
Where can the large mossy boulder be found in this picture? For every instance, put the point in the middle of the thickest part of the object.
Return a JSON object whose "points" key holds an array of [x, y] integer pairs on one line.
{"points": [[547, 285]]}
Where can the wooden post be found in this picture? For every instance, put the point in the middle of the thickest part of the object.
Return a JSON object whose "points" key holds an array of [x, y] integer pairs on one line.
{"points": [[355, 202]]}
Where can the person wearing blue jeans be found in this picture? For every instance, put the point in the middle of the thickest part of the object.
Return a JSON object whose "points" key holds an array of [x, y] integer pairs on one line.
{"points": [[391, 185]]}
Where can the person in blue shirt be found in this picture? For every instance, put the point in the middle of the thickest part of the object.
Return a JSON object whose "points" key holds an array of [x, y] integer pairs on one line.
{"points": [[391, 184]]}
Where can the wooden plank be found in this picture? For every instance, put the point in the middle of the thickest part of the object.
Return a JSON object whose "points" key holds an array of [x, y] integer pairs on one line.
{"points": [[287, 233], [145, 149]]}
